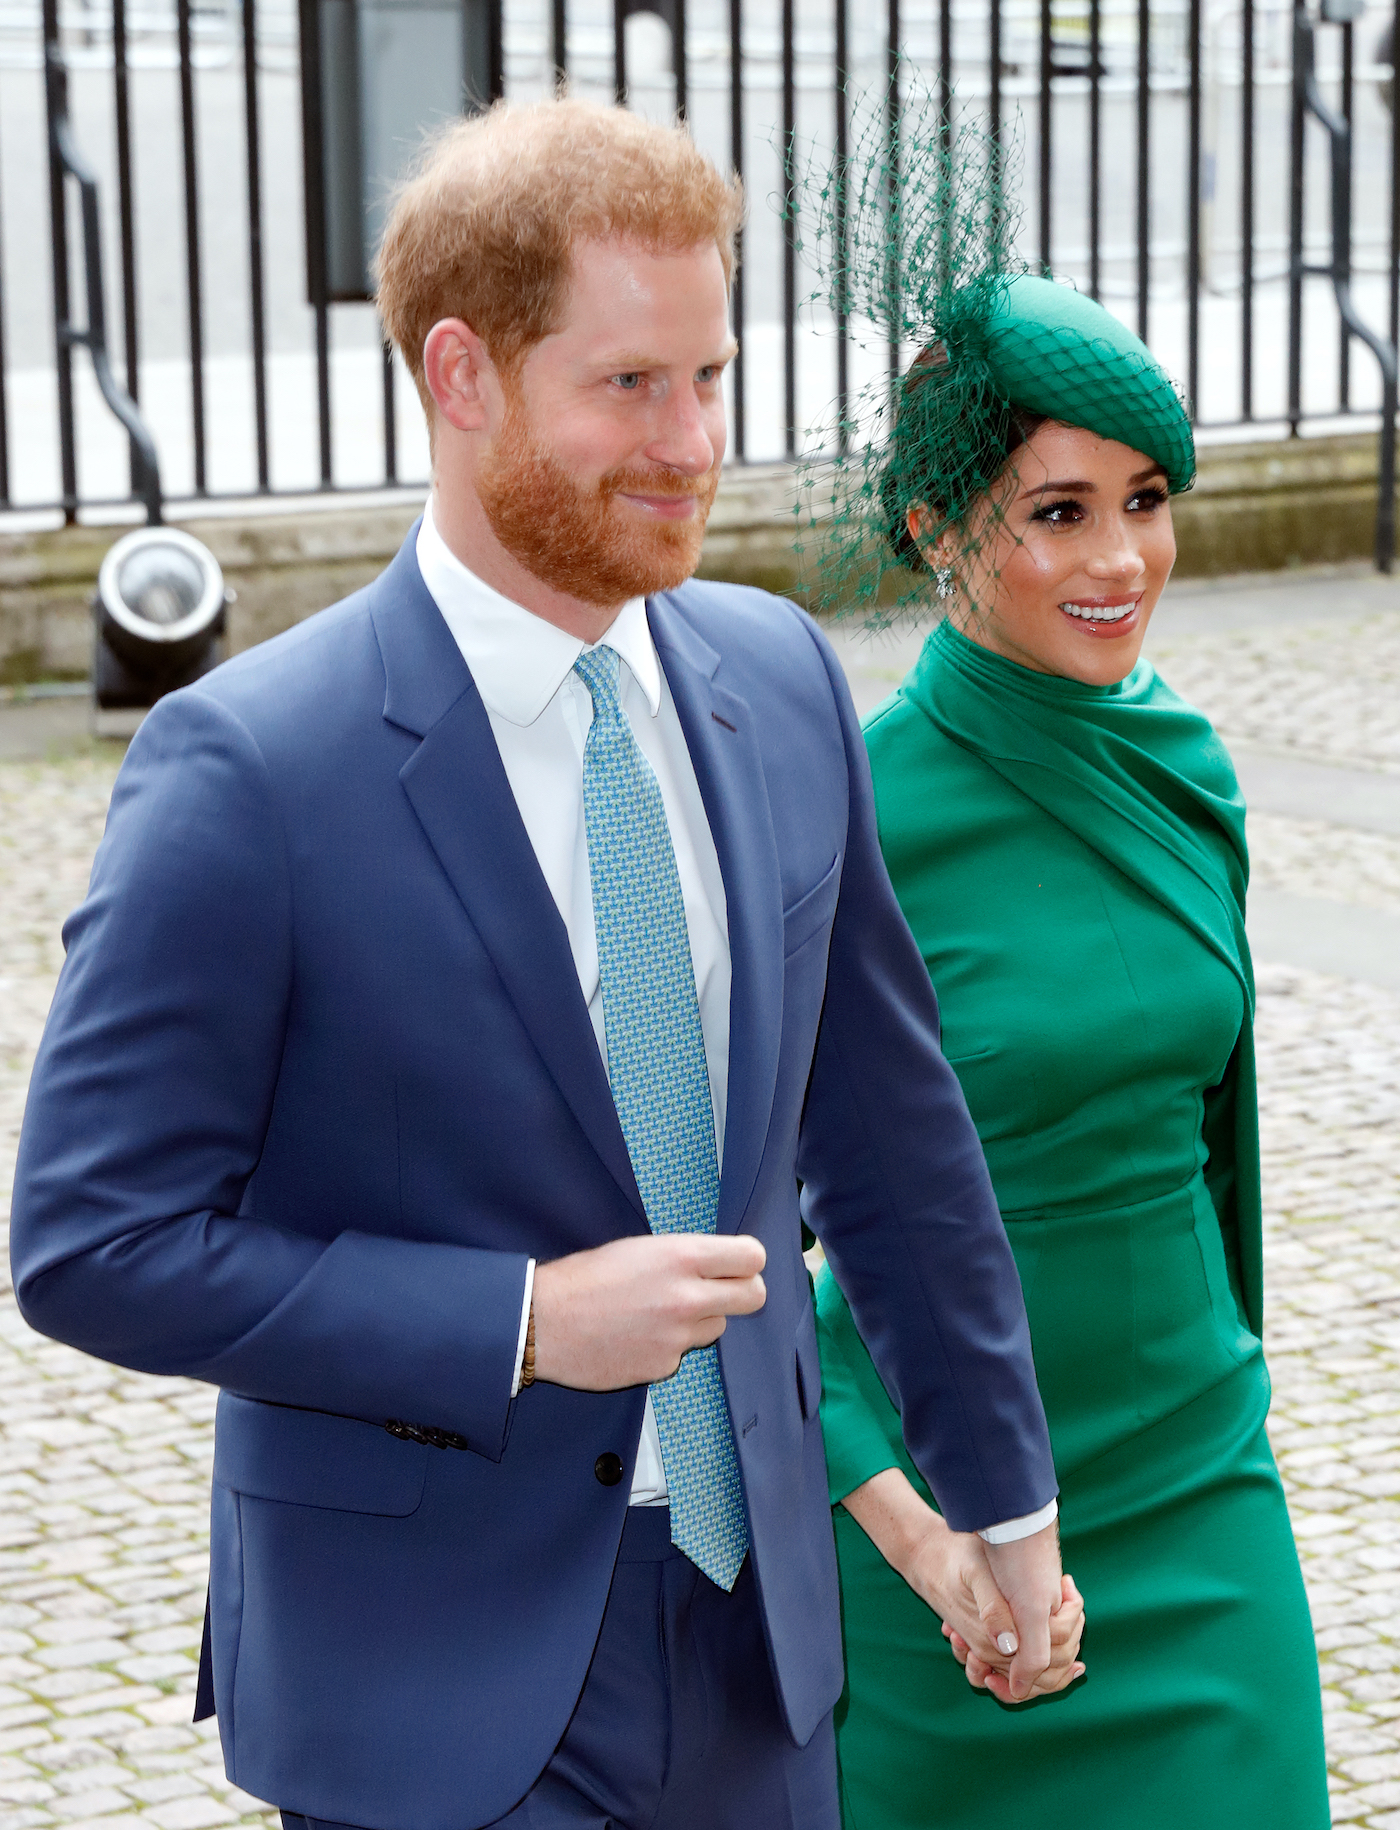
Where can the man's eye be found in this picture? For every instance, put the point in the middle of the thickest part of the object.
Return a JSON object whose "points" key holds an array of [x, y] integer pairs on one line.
{"points": [[630, 381], [709, 373]]}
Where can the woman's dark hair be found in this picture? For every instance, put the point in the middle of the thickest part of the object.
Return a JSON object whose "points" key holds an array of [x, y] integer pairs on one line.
{"points": [[941, 457]]}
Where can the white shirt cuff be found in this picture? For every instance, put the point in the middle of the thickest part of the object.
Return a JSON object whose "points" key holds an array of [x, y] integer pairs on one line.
{"points": [[524, 1327], [1012, 1529]]}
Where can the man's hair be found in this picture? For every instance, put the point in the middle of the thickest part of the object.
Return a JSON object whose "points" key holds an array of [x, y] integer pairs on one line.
{"points": [[484, 228]]}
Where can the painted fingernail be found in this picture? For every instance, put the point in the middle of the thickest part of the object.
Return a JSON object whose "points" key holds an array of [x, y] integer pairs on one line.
{"points": [[1007, 1643]]}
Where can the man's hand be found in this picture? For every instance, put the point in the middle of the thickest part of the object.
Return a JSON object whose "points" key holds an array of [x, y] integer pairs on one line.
{"points": [[1028, 1574], [1066, 1632], [624, 1313]]}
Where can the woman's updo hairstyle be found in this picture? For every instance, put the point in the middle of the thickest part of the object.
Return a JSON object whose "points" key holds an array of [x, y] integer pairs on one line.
{"points": [[953, 437]]}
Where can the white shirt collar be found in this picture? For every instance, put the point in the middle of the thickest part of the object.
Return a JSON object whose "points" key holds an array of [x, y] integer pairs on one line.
{"points": [[518, 660]]}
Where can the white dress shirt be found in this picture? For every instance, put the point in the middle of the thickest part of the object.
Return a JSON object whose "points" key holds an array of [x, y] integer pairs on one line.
{"points": [[540, 714]]}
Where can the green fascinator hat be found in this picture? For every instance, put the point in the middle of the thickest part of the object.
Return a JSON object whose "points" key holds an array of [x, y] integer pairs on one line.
{"points": [[916, 245], [1057, 352]]}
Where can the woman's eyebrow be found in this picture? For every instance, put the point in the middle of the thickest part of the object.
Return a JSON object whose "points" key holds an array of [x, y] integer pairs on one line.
{"points": [[1082, 486]]}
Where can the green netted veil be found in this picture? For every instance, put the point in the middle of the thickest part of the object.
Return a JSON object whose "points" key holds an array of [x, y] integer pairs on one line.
{"points": [[912, 241]]}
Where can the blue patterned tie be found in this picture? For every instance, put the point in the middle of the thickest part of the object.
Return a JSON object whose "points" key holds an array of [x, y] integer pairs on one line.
{"points": [[661, 1088]]}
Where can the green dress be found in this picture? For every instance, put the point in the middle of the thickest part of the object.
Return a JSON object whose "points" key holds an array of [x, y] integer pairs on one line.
{"points": [[1071, 860]]}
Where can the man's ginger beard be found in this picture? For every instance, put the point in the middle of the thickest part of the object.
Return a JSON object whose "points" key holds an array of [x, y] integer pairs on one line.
{"points": [[578, 538]]}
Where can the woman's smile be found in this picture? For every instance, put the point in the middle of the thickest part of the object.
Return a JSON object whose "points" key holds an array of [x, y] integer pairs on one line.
{"points": [[1102, 618]]}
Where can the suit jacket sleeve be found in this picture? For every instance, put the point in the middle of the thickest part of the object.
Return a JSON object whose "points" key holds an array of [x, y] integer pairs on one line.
{"points": [[147, 1112], [897, 1190]]}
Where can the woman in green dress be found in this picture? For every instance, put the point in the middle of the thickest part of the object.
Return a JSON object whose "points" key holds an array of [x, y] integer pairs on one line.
{"points": [[1066, 838]]}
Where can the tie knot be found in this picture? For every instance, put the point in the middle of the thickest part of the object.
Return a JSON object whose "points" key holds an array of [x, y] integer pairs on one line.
{"points": [[598, 669]]}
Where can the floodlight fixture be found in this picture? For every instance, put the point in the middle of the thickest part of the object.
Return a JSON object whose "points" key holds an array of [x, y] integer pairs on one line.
{"points": [[159, 612]]}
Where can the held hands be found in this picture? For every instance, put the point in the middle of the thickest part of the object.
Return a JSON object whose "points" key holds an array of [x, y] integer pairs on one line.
{"points": [[1013, 1621], [625, 1313], [1027, 1572], [1066, 1629]]}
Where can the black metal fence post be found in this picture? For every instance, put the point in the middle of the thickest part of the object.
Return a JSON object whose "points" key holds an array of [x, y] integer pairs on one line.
{"points": [[892, 157], [1193, 209], [56, 107], [994, 74], [496, 48], [1144, 173], [1348, 105], [736, 160], [1394, 177], [126, 211], [945, 68], [789, 236], [317, 278], [391, 430], [1302, 43], [1247, 210], [1095, 147], [257, 291], [843, 324], [1043, 143], [66, 162], [192, 251], [679, 62], [1308, 99]]}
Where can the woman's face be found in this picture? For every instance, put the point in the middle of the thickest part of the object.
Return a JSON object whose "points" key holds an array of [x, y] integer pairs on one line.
{"points": [[1061, 564]]}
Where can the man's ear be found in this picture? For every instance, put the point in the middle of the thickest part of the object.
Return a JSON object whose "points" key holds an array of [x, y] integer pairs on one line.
{"points": [[461, 377]]}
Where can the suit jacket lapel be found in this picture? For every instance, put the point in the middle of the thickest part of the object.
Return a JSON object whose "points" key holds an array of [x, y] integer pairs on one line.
{"points": [[458, 788], [719, 732]]}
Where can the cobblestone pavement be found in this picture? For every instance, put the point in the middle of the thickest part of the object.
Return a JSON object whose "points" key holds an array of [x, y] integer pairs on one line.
{"points": [[1320, 689], [103, 1474], [1314, 859]]}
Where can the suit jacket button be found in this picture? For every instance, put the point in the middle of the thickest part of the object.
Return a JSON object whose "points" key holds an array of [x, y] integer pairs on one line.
{"points": [[608, 1468]]}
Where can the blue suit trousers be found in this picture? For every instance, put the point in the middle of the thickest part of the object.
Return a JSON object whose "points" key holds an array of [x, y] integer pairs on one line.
{"points": [[678, 1726]]}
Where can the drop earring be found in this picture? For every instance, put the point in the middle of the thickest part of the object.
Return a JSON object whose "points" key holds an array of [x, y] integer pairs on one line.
{"points": [[943, 581]]}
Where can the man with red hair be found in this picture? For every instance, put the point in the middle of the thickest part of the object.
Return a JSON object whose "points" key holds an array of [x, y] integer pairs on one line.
{"points": [[466, 980]]}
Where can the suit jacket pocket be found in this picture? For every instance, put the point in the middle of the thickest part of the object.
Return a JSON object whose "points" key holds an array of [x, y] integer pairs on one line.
{"points": [[812, 911], [307, 1458]]}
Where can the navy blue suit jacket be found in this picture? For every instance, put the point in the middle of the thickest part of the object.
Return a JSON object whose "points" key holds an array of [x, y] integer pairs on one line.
{"points": [[319, 1077]]}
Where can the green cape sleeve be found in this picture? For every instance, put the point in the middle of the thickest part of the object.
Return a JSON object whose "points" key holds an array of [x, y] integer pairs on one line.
{"points": [[861, 1427], [1231, 1133]]}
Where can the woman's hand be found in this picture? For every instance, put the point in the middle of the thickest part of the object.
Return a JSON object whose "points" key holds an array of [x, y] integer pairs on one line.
{"points": [[1066, 1631], [949, 1571]]}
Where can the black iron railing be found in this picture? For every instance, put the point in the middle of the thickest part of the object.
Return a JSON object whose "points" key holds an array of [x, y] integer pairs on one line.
{"points": [[1308, 100], [1155, 140], [65, 163]]}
